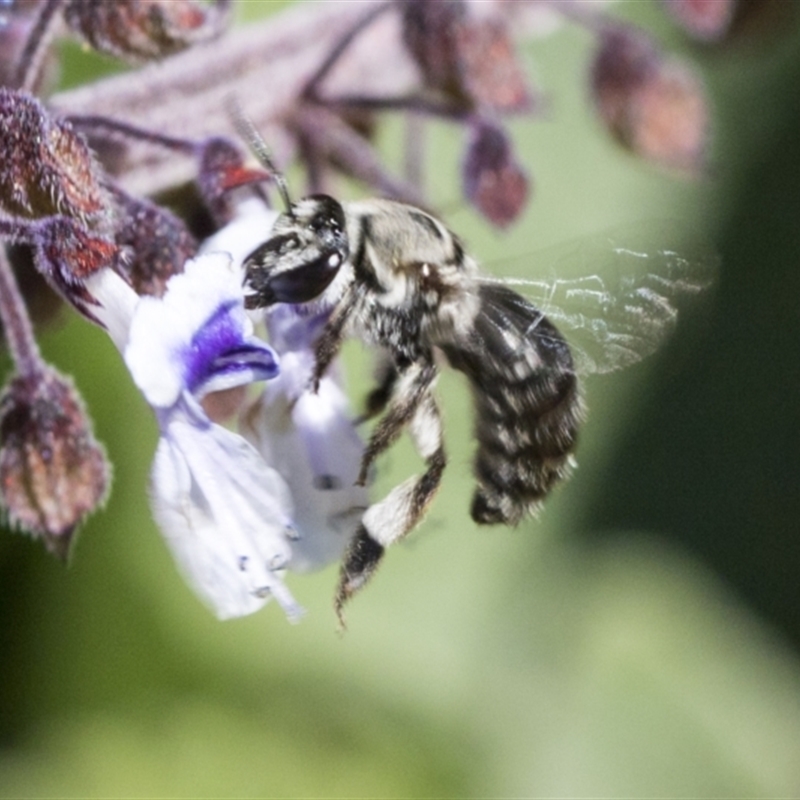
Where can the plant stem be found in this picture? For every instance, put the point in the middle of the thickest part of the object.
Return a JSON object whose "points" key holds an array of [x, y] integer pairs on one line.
{"points": [[16, 322], [30, 61]]}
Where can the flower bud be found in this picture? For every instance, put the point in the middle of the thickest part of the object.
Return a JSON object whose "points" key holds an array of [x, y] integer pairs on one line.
{"points": [[222, 168], [491, 71], [155, 242], [493, 182], [708, 20], [467, 56], [652, 105], [47, 167], [69, 253], [428, 34], [141, 30], [52, 471]]}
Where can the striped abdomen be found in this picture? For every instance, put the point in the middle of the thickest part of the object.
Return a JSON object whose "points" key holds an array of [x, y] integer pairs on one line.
{"points": [[527, 404]]}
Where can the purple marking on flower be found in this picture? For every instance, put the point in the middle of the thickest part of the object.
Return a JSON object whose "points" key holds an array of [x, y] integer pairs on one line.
{"points": [[218, 358], [197, 337]]}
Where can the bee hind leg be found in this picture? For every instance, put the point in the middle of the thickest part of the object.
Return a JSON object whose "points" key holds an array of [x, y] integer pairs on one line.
{"points": [[398, 513]]}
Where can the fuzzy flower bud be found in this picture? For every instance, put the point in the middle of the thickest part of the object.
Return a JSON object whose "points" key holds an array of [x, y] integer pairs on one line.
{"points": [[52, 471], [707, 20], [492, 73], [155, 243], [428, 33], [69, 253], [493, 181], [652, 105], [65, 253], [141, 30], [467, 56], [47, 167], [222, 168]]}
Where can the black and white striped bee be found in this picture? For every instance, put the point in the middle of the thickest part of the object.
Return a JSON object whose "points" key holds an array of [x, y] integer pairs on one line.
{"points": [[395, 277]]}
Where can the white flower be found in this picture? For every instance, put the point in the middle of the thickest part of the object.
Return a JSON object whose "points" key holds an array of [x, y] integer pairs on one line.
{"points": [[235, 517], [309, 438], [224, 513]]}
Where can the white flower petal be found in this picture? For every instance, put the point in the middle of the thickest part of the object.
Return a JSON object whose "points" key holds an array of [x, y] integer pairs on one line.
{"points": [[117, 304], [225, 516], [311, 440]]}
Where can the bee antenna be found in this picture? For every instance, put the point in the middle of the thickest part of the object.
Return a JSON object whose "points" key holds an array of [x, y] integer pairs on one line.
{"points": [[255, 141]]}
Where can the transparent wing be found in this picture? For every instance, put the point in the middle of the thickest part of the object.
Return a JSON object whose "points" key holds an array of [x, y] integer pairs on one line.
{"points": [[615, 296]]}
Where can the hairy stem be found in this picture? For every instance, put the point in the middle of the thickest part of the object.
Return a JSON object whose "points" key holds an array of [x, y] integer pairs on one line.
{"points": [[16, 322], [265, 65], [99, 124], [340, 48], [32, 56]]}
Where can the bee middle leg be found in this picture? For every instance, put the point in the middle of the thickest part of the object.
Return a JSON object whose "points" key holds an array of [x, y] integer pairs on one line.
{"points": [[410, 386], [378, 398]]}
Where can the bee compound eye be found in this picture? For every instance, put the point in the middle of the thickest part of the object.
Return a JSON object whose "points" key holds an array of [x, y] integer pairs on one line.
{"points": [[303, 283]]}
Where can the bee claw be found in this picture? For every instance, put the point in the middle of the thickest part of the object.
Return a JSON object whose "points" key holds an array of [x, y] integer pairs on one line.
{"points": [[360, 561]]}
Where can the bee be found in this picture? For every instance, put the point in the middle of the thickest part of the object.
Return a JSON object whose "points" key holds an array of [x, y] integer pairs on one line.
{"points": [[395, 277]]}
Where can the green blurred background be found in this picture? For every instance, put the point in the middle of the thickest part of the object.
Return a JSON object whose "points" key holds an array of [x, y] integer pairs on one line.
{"points": [[640, 640]]}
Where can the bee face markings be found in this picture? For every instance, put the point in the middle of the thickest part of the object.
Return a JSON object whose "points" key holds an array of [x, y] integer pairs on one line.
{"points": [[303, 257]]}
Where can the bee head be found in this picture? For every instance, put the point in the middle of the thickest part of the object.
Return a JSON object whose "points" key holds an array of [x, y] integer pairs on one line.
{"points": [[302, 257]]}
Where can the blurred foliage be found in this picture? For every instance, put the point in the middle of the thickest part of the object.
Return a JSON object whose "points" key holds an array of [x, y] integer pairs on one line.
{"points": [[639, 640]]}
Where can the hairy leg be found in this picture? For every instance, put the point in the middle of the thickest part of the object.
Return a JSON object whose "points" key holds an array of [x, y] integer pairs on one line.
{"points": [[400, 511], [412, 385]]}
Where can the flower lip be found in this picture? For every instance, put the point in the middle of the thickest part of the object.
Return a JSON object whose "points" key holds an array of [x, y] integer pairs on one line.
{"points": [[197, 338], [218, 358]]}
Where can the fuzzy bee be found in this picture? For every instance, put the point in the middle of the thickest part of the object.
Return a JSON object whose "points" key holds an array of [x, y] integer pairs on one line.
{"points": [[395, 277]]}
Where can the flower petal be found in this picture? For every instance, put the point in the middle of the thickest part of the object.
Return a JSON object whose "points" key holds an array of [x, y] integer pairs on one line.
{"points": [[117, 304], [310, 438], [251, 227], [225, 515]]}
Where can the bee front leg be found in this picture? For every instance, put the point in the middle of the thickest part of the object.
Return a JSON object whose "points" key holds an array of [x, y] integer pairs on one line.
{"points": [[327, 346], [393, 517]]}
